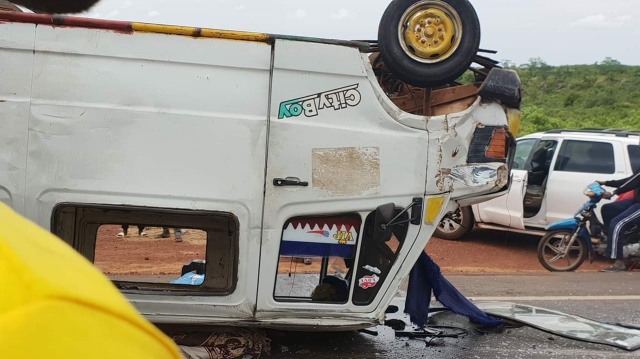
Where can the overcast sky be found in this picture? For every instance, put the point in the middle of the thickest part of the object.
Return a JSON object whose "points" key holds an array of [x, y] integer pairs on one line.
{"points": [[559, 31]]}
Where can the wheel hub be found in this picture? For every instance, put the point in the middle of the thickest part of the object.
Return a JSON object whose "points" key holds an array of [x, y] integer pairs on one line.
{"points": [[430, 31]]}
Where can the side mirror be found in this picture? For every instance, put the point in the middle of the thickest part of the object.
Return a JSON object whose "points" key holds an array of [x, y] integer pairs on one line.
{"points": [[384, 214]]}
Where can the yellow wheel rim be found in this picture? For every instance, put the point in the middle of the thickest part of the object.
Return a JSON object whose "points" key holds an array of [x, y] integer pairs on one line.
{"points": [[430, 31]]}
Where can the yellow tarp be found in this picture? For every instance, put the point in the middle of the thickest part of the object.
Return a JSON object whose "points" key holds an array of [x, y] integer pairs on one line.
{"points": [[55, 304]]}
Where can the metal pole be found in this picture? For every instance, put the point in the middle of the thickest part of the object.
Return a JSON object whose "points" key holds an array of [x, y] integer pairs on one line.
{"points": [[426, 104]]}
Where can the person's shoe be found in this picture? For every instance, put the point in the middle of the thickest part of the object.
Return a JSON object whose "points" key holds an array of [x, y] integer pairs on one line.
{"points": [[121, 235], [614, 269], [307, 261], [178, 238], [165, 233], [618, 266], [143, 234]]}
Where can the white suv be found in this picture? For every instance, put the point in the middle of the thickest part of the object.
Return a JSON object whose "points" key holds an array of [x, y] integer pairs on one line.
{"points": [[550, 170]]}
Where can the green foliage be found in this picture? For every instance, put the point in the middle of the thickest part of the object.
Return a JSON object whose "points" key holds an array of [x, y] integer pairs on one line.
{"points": [[508, 64], [605, 95], [467, 78]]}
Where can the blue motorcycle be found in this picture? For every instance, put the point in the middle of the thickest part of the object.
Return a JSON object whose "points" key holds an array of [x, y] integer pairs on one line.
{"points": [[568, 243]]}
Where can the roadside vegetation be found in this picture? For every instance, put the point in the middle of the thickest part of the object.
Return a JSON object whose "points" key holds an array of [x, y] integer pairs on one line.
{"points": [[602, 95]]}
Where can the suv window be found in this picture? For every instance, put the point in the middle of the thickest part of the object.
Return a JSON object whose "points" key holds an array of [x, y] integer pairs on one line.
{"points": [[634, 157], [540, 160], [586, 157], [523, 149]]}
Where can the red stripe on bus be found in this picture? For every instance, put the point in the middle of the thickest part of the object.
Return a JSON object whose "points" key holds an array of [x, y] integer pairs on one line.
{"points": [[54, 20]]}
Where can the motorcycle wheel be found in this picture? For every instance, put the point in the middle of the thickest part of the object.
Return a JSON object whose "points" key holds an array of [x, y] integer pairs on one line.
{"points": [[551, 247]]}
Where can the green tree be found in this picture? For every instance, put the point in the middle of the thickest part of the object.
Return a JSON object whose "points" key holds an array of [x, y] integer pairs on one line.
{"points": [[579, 96], [508, 64], [610, 62]]}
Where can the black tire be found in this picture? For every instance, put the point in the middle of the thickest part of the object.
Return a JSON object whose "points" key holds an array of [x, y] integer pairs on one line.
{"points": [[428, 75], [570, 268], [463, 217]]}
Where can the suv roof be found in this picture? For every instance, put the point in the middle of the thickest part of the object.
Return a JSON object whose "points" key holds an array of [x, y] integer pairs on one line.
{"points": [[593, 133]]}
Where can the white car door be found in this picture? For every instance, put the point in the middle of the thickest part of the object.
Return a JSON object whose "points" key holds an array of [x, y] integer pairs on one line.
{"points": [[334, 156], [498, 210], [507, 210], [515, 198], [579, 163]]}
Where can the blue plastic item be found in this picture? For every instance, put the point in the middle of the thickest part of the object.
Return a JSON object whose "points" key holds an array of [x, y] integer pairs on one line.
{"points": [[189, 279]]}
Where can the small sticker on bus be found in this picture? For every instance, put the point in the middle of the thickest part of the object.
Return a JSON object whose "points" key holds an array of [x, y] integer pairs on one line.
{"points": [[368, 281]]}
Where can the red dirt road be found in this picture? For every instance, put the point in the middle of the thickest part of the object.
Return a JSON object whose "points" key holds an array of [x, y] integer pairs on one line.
{"points": [[493, 252]]}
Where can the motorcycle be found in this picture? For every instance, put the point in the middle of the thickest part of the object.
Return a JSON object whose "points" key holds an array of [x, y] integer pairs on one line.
{"points": [[572, 240]]}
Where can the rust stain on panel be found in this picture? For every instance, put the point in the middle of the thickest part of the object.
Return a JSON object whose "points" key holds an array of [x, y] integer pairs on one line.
{"points": [[347, 171]]}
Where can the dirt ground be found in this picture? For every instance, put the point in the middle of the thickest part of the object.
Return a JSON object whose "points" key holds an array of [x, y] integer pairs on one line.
{"points": [[149, 255], [487, 251], [482, 252]]}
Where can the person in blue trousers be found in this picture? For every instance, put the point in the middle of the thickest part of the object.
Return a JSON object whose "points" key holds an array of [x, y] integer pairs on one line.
{"points": [[620, 216]]}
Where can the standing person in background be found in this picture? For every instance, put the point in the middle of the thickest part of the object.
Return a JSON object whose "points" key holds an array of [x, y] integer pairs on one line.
{"points": [[125, 229], [178, 232]]}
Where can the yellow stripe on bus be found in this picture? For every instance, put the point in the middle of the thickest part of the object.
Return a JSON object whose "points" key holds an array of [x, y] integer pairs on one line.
{"points": [[164, 29], [235, 35], [194, 31]]}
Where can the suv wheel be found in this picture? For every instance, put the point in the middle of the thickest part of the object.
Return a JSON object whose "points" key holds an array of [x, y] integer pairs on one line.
{"points": [[455, 225]]}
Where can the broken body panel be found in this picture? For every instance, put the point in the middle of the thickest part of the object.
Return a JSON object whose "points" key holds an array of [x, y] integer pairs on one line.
{"points": [[262, 131]]}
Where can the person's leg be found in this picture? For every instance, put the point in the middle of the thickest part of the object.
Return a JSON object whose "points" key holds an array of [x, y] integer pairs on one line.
{"points": [[178, 233], [141, 231], [614, 209], [165, 233], [125, 229], [617, 227]]}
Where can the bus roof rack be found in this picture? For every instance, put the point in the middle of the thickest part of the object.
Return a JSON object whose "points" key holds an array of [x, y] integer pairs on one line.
{"points": [[603, 131]]}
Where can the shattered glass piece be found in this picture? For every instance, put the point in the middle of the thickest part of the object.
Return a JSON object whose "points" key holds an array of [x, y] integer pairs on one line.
{"points": [[565, 325]]}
